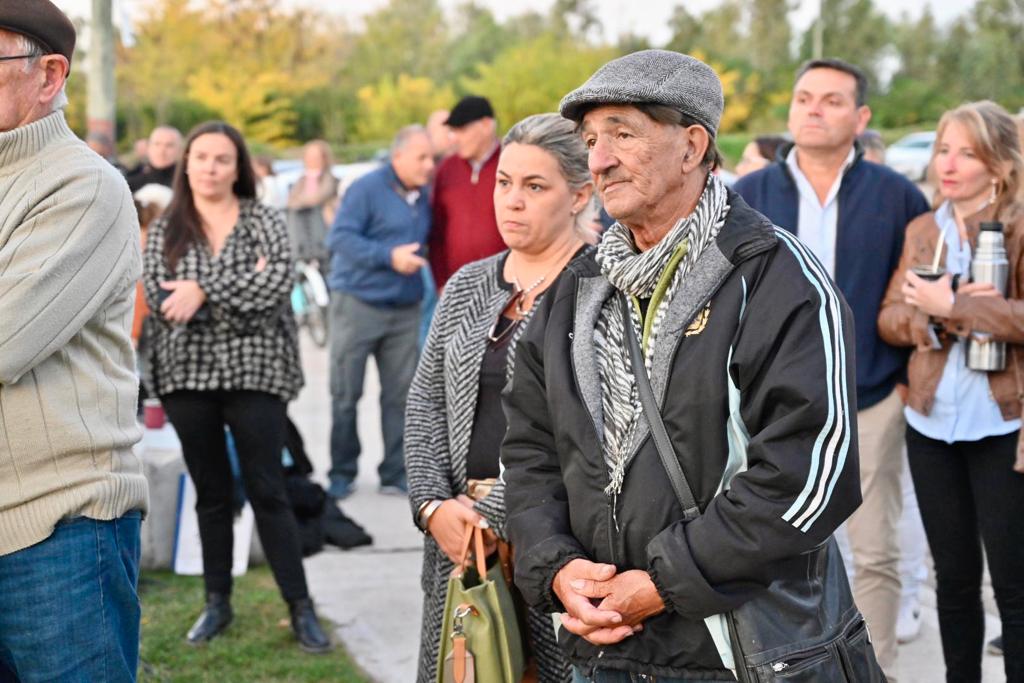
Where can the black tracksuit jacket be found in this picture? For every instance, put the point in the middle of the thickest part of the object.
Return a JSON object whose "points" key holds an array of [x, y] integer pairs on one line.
{"points": [[754, 371]]}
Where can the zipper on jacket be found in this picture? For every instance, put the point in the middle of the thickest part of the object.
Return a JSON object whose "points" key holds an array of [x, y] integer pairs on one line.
{"points": [[613, 527], [612, 521], [739, 660]]}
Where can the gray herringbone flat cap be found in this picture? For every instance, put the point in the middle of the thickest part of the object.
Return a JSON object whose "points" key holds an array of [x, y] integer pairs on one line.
{"points": [[653, 77]]}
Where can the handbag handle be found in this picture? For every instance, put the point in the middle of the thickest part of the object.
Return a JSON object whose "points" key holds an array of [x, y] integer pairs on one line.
{"points": [[658, 432], [473, 537]]}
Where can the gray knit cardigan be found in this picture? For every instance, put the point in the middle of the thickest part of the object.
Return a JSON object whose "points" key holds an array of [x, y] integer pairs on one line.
{"points": [[438, 426]]}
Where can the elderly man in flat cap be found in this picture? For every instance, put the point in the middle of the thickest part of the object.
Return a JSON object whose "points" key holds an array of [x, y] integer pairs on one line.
{"points": [[71, 492], [646, 506]]}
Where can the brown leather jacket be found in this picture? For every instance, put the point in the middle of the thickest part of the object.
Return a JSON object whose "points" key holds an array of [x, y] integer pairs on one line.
{"points": [[901, 324]]}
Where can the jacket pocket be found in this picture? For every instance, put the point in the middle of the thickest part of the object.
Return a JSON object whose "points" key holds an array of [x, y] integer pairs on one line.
{"points": [[815, 665], [848, 657], [859, 655]]}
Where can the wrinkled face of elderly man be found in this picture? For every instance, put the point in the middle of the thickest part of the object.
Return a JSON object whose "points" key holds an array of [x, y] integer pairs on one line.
{"points": [[647, 172], [29, 82]]}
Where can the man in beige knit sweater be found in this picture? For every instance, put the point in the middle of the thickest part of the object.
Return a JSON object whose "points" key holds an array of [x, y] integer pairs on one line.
{"points": [[71, 492]]}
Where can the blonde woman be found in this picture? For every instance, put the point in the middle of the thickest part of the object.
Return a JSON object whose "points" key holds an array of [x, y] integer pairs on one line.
{"points": [[963, 425]]}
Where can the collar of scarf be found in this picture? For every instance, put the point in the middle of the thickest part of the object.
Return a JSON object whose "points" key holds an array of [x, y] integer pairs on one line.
{"points": [[638, 273]]}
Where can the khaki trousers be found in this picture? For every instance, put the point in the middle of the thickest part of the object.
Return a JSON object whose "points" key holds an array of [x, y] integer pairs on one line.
{"points": [[874, 528]]}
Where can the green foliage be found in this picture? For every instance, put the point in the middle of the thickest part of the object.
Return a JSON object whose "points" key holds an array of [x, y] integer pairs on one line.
{"points": [[854, 30], [909, 102], [478, 40], [404, 37], [389, 104], [284, 74], [258, 647], [532, 77], [716, 33]]}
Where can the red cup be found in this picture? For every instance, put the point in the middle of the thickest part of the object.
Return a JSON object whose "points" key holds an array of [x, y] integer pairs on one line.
{"points": [[153, 415]]}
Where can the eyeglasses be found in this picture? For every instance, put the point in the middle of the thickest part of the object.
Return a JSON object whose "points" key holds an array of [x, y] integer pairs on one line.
{"points": [[8, 59], [494, 335]]}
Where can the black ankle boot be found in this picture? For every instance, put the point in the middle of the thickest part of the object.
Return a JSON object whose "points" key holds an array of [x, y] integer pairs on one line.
{"points": [[213, 621], [307, 628]]}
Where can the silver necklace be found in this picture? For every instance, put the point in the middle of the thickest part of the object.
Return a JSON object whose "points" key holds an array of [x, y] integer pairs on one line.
{"points": [[522, 294]]}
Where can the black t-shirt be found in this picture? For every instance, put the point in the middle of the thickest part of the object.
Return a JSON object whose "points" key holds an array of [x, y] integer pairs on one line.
{"points": [[489, 421]]}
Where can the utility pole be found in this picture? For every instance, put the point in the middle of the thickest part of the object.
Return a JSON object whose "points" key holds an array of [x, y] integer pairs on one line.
{"points": [[818, 49], [102, 92]]}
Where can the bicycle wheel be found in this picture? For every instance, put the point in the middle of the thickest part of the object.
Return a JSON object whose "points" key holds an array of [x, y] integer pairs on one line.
{"points": [[315, 316]]}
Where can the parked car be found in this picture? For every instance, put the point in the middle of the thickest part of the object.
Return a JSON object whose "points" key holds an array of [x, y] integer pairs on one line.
{"points": [[910, 155]]}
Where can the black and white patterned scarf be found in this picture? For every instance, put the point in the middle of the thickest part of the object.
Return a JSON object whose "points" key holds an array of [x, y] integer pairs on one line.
{"points": [[637, 274]]}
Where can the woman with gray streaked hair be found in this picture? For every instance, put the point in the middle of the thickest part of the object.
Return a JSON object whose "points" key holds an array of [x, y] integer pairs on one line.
{"points": [[454, 420]]}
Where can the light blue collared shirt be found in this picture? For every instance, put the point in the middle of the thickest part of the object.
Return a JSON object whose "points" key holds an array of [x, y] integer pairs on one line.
{"points": [[817, 222], [964, 409]]}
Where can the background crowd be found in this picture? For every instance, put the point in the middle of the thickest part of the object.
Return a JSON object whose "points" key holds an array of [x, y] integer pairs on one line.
{"points": [[487, 224]]}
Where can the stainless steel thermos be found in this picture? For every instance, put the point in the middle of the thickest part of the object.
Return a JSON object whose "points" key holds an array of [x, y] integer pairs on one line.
{"points": [[989, 264]]}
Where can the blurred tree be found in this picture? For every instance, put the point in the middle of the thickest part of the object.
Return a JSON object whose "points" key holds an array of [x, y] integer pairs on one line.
{"points": [[992, 62], [632, 42], [532, 77], [717, 33], [155, 70], [392, 103], [916, 93], [740, 91], [769, 35], [855, 31], [526, 26], [685, 30], [285, 74], [404, 37], [918, 43], [476, 38], [574, 19], [243, 60]]}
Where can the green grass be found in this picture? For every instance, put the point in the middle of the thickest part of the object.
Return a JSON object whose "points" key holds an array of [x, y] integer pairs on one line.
{"points": [[258, 646]]}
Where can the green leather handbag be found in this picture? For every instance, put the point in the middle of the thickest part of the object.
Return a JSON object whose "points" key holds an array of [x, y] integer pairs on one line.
{"points": [[480, 637]]}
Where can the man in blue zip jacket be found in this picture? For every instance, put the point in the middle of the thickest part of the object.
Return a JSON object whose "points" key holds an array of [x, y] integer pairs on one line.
{"points": [[852, 214], [376, 246]]}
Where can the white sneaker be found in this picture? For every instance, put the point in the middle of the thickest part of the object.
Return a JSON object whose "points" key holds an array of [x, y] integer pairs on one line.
{"points": [[908, 623]]}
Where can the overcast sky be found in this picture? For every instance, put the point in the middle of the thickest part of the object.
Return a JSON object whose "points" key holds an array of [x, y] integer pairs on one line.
{"points": [[617, 16]]}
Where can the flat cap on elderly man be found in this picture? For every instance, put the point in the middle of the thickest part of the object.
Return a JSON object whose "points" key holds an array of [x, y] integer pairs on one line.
{"points": [[652, 77]]}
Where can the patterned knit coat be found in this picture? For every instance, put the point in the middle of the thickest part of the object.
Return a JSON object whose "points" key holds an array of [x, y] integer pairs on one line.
{"points": [[438, 427]]}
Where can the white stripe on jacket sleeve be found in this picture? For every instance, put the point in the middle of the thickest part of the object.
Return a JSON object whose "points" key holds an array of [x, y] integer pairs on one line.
{"points": [[832, 445]]}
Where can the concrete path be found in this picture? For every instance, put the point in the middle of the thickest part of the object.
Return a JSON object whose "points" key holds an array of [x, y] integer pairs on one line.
{"points": [[373, 594]]}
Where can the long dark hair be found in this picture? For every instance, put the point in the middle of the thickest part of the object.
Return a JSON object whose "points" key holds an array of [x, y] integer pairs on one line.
{"points": [[184, 224]]}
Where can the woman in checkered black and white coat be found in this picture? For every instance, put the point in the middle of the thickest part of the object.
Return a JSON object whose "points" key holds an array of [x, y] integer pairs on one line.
{"points": [[454, 419], [218, 275]]}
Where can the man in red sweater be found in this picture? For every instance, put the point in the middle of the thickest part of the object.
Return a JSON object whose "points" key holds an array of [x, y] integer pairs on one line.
{"points": [[465, 229]]}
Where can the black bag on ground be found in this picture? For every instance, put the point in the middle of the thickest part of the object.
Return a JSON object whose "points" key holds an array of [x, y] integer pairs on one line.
{"points": [[801, 630], [318, 517], [341, 530]]}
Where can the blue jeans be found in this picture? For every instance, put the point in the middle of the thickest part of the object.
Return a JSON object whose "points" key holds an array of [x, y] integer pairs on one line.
{"points": [[616, 676], [391, 336], [69, 608]]}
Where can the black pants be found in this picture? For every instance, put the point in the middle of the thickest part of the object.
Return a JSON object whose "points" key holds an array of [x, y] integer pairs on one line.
{"points": [[257, 422], [969, 495]]}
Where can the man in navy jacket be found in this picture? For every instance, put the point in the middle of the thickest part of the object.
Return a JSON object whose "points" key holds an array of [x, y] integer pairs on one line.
{"points": [[376, 246], [852, 214]]}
